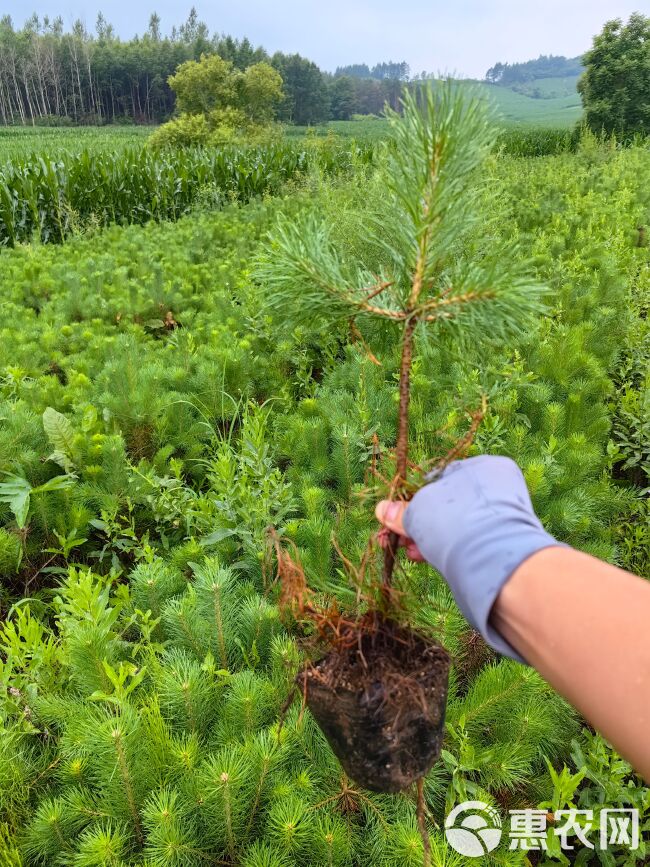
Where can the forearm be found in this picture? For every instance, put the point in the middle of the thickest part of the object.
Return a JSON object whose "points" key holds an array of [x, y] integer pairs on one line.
{"points": [[585, 626]]}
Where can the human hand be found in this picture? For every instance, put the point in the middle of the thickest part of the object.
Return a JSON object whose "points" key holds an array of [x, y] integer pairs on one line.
{"points": [[476, 525], [390, 513]]}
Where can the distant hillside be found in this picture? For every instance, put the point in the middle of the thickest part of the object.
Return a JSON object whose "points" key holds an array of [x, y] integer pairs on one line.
{"points": [[542, 91], [546, 66], [558, 110]]}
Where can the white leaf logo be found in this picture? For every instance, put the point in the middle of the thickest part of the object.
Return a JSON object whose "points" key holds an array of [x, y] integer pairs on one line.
{"points": [[473, 829]]}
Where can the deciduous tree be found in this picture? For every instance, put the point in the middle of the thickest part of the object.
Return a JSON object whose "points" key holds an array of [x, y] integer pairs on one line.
{"points": [[615, 87]]}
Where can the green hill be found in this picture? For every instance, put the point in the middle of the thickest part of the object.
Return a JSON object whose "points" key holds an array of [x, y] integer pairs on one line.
{"points": [[541, 91], [543, 102], [548, 88], [560, 106]]}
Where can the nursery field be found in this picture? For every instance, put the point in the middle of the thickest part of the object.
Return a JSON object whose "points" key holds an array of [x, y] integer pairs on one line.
{"points": [[158, 416]]}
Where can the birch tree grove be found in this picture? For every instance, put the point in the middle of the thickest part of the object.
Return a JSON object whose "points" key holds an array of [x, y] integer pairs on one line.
{"points": [[48, 75]]}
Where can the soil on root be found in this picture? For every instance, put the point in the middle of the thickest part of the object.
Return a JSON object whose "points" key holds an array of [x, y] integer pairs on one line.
{"points": [[381, 705]]}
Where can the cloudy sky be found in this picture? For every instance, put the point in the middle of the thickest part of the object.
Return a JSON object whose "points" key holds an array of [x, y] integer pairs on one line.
{"points": [[459, 36]]}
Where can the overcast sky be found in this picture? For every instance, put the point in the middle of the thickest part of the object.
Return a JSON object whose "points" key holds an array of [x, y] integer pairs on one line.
{"points": [[458, 36]]}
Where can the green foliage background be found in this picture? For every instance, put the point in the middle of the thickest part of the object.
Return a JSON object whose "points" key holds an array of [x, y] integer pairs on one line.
{"points": [[142, 680]]}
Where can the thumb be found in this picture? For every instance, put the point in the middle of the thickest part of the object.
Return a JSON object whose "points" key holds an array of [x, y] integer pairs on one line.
{"points": [[390, 513]]}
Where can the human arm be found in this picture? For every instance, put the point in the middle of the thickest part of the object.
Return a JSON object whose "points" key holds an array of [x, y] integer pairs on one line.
{"points": [[582, 623]]}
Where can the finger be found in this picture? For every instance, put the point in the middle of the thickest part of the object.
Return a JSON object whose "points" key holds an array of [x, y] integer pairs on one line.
{"points": [[413, 552], [384, 538], [390, 513], [411, 549]]}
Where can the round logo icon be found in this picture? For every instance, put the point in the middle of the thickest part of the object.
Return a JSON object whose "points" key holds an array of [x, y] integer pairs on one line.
{"points": [[473, 829]]}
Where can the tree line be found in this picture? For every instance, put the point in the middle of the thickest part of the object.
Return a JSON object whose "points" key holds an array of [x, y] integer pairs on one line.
{"points": [[50, 75], [545, 66]]}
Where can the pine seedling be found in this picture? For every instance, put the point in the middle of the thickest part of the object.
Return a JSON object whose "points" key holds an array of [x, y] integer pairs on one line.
{"points": [[171, 838], [216, 605], [224, 789], [428, 276], [188, 698], [259, 625], [284, 661], [332, 841], [104, 845], [263, 854], [434, 197], [153, 583], [53, 827], [249, 704], [185, 754], [268, 755], [290, 825]]}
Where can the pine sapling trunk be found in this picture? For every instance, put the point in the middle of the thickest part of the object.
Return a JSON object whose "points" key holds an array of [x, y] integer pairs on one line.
{"points": [[401, 450], [227, 811]]}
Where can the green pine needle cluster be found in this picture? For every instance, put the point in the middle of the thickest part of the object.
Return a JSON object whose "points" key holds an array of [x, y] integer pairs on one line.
{"points": [[420, 260]]}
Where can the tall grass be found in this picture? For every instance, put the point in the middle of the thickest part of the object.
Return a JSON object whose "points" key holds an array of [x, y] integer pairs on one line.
{"points": [[531, 141]]}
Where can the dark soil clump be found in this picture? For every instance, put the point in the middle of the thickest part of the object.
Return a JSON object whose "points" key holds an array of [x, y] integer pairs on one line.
{"points": [[381, 705]]}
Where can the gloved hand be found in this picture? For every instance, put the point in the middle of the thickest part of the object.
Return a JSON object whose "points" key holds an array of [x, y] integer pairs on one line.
{"points": [[476, 525]]}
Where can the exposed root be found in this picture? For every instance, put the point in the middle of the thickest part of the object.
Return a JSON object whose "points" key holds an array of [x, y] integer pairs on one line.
{"points": [[398, 657], [380, 703], [295, 595], [379, 693]]}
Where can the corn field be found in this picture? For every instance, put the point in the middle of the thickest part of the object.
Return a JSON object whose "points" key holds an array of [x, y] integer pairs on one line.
{"points": [[47, 199]]}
